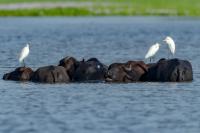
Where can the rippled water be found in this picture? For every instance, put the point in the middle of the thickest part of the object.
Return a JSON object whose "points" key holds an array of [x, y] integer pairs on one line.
{"points": [[111, 108]]}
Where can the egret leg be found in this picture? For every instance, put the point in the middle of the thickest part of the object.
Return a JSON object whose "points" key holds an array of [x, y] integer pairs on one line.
{"points": [[24, 63], [168, 54]]}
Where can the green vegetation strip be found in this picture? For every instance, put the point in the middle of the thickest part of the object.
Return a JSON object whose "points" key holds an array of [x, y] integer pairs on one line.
{"points": [[111, 7], [46, 12]]}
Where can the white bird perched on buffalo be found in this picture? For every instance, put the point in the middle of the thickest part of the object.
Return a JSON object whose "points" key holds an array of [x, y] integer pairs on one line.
{"points": [[152, 51], [24, 53], [171, 44]]}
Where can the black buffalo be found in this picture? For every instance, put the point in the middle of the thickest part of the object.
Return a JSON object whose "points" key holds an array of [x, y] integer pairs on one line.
{"points": [[70, 64], [51, 74], [173, 70], [90, 70]]}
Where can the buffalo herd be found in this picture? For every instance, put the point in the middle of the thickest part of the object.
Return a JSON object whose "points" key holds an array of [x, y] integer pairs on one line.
{"points": [[70, 70]]}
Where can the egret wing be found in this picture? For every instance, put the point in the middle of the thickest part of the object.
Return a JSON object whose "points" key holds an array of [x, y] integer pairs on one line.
{"points": [[151, 52], [23, 54], [172, 47]]}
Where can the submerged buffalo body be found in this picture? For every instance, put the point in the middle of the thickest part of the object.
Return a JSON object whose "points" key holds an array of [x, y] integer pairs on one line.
{"points": [[90, 70], [174, 70], [19, 74], [131, 71], [51, 74]]}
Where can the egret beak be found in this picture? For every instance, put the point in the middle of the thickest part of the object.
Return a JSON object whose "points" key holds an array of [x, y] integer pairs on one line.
{"points": [[164, 40]]}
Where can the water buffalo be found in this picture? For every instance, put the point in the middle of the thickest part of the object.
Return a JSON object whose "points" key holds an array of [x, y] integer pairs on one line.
{"points": [[71, 70], [51, 74], [70, 64], [90, 70], [131, 71], [19, 74], [173, 70]]}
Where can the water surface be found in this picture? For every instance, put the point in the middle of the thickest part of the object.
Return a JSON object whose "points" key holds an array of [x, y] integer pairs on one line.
{"points": [[90, 108]]}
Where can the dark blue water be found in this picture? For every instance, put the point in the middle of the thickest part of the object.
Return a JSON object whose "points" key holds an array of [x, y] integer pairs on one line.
{"points": [[98, 108]]}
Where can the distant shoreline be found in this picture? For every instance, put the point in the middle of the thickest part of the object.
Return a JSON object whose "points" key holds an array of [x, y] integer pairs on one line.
{"points": [[97, 8], [40, 5]]}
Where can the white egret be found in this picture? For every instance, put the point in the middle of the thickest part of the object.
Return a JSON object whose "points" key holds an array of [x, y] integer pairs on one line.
{"points": [[152, 51], [24, 53], [171, 44]]}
